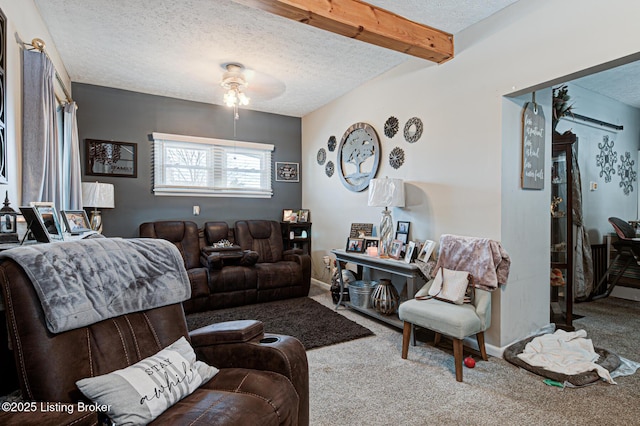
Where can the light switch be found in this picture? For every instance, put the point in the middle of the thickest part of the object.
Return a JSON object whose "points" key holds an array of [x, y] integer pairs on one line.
{"points": [[196, 210]]}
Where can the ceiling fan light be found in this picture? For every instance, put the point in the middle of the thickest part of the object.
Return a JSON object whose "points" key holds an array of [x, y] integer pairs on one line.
{"points": [[244, 100]]}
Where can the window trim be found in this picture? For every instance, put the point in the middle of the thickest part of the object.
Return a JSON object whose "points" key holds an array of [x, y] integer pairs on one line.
{"points": [[209, 192]]}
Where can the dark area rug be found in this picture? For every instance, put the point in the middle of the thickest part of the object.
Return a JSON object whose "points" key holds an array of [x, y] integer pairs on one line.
{"points": [[303, 318]]}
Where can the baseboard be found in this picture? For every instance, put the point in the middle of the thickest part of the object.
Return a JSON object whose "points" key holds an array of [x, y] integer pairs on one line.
{"points": [[319, 283]]}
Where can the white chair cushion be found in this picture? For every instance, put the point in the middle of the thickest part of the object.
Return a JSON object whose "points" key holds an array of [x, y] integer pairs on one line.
{"points": [[457, 321]]}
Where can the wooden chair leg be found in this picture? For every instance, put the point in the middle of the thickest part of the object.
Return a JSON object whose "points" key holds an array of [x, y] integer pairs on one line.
{"points": [[483, 351], [457, 357], [406, 336], [436, 339]]}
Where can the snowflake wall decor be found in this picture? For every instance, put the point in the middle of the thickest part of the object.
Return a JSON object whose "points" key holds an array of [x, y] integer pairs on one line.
{"points": [[413, 130], [627, 173], [332, 143], [322, 156], [606, 159], [396, 157], [329, 168], [391, 127]]}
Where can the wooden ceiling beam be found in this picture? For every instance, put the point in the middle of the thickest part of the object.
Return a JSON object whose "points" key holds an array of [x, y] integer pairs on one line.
{"points": [[363, 21]]}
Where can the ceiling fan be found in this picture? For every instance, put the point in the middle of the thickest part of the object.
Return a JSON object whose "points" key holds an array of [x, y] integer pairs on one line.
{"points": [[241, 84]]}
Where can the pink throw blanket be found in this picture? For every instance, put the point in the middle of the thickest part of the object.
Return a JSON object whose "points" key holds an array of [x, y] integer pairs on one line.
{"points": [[483, 258]]}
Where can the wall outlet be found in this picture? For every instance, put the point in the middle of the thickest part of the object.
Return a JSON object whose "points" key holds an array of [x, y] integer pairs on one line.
{"points": [[327, 262], [593, 186], [196, 210]]}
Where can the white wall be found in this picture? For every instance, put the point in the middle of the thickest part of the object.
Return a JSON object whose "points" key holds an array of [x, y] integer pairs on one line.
{"points": [[24, 24], [609, 199], [458, 180]]}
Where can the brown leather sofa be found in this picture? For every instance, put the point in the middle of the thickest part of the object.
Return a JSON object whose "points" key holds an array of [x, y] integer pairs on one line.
{"points": [[263, 379], [273, 275]]}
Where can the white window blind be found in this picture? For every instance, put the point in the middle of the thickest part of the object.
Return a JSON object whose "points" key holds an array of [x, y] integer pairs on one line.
{"points": [[189, 165]]}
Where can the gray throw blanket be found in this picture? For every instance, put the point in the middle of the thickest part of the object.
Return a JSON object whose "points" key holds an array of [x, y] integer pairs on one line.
{"points": [[82, 282]]}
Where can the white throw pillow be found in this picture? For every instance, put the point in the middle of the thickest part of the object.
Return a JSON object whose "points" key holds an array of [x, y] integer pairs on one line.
{"points": [[141, 392]]}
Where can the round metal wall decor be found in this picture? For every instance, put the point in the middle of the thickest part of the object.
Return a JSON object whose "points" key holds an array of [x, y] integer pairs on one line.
{"points": [[329, 168], [391, 127], [358, 156], [322, 156], [332, 143], [396, 157], [413, 130]]}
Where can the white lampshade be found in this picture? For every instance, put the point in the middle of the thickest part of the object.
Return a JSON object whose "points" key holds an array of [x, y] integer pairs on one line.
{"points": [[386, 193], [98, 195]]}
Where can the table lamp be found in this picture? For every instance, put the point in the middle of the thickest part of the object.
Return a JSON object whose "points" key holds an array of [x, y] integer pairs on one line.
{"points": [[386, 193], [98, 196]]}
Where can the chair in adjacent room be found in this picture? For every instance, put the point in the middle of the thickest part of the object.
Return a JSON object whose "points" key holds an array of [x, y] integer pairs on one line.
{"points": [[489, 264], [628, 251]]}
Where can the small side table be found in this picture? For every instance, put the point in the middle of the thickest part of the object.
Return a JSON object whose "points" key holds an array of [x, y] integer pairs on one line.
{"points": [[391, 266]]}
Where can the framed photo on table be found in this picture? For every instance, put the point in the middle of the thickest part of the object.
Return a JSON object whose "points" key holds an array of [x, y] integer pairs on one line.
{"points": [[408, 255], [396, 249], [426, 251], [37, 228], [355, 245], [76, 221]]}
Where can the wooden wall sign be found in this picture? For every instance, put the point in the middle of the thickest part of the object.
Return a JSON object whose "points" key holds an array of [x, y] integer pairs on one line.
{"points": [[532, 176]]}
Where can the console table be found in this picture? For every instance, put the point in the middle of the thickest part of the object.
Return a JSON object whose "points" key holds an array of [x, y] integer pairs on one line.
{"points": [[391, 266]]}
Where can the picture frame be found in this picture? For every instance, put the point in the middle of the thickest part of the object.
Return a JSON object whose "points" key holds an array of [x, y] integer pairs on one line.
{"points": [[361, 230], [355, 245], [76, 221], [371, 242], [408, 253], [403, 227], [402, 237], [110, 158], [35, 217], [303, 216], [287, 172], [286, 215], [396, 249], [426, 251]]}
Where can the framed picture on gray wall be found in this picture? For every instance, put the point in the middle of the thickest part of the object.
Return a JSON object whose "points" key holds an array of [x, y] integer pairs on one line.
{"points": [[109, 158], [287, 172]]}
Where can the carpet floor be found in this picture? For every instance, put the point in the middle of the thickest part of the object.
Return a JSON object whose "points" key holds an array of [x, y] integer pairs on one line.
{"points": [[310, 322], [366, 382]]}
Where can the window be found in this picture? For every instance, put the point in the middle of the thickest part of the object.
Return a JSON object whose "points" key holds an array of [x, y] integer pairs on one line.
{"points": [[189, 165]]}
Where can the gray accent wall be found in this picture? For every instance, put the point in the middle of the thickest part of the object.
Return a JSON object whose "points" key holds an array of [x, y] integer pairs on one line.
{"points": [[124, 116]]}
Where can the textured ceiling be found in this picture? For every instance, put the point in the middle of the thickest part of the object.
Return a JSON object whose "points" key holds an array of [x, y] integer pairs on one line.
{"points": [[620, 83], [176, 48]]}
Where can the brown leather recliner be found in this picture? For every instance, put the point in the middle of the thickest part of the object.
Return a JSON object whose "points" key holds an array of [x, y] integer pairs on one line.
{"points": [[281, 274], [263, 379]]}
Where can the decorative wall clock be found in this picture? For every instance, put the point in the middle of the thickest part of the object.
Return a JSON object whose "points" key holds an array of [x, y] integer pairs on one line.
{"points": [[606, 159], [358, 156], [329, 168], [332, 143], [396, 157], [627, 173], [391, 127], [413, 130], [322, 156]]}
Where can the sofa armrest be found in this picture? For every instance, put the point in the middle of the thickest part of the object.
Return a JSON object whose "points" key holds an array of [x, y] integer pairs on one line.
{"points": [[270, 352], [292, 251], [226, 332]]}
